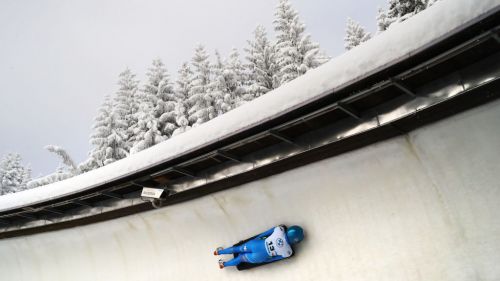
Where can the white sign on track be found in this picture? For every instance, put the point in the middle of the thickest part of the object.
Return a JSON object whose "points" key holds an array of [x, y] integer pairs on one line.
{"points": [[152, 192]]}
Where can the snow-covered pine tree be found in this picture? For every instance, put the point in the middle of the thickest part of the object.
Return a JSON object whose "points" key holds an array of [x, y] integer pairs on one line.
{"points": [[382, 21], [65, 157], [161, 90], [117, 143], [156, 111], [98, 137], [431, 2], [124, 107], [182, 90], [261, 68], [66, 169], [201, 103], [234, 73], [108, 138], [228, 84], [59, 175], [355, 34], [13, 175], [296, 52], [147, 132], [402, 9], [218, 87]]}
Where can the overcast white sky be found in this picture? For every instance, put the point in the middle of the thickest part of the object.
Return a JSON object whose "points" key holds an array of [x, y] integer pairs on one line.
{"points": [[58, 58]]}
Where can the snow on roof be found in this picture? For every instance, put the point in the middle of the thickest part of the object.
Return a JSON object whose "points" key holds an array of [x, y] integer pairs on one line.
{"points": [[399, 42]]}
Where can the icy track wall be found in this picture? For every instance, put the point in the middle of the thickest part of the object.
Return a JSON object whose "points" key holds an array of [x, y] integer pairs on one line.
{"points": [[418, 207]]}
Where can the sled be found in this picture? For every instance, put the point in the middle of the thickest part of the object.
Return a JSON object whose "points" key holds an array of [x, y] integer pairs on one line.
{"points": [[247, 265]]}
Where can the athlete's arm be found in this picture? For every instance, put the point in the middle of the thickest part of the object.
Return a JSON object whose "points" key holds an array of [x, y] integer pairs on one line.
{"points": [[266, 233]]}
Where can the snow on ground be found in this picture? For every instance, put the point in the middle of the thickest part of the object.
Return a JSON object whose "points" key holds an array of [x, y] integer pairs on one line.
{"points": [[399, 42]]}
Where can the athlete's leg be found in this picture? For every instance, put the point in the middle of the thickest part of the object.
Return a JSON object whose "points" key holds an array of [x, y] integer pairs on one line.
{"points": [[233, 250], [234, 262], [254, 257], [247, 257]]}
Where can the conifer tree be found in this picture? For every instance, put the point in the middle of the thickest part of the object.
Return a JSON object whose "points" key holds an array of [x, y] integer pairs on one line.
{"points": [[116, 141], [147, 131], [201, 103], [124, 108], [182, 90], [431, 2], [382, 21], [218, 87], [159, 90], [399, 10], [262, 68], [13, 175], [234, 73], [228, 85], [108, 138], [65, 158], [355, 34], [296, 52], [156, 109], [98, 138], [66, 169]]}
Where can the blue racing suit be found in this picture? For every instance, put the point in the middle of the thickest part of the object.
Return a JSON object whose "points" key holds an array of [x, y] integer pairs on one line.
{"points": [[269, 246]]}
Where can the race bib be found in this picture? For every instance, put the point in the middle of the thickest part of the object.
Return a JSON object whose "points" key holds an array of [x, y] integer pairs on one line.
{"points": [[276, 244]]}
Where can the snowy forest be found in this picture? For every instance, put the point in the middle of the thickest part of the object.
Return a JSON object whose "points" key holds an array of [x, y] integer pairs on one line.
{"points": [[140, 115]]}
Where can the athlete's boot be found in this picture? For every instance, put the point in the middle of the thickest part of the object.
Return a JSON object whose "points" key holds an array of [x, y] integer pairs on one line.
{"points": [[221, 264], [216, 252]]}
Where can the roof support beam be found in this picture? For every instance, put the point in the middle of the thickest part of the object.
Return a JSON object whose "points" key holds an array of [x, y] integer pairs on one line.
{"points": [[403, 87], [54, 211], [147, 181], [282, 137], [26, 216], [157, 174], [82, 203], [112, 195], [215, 158], [184, 172], [349, 110], [136, 184], [228, 156]]}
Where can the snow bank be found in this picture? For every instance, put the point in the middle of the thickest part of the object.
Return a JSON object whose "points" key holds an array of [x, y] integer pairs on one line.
{"points": [[399, 42]]}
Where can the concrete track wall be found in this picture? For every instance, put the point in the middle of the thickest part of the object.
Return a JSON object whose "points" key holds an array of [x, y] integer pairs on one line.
{"points": [[419, 207]]}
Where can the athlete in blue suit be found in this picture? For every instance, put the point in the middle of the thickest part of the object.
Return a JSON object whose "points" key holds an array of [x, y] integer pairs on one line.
{"points": [[272, 245]]}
